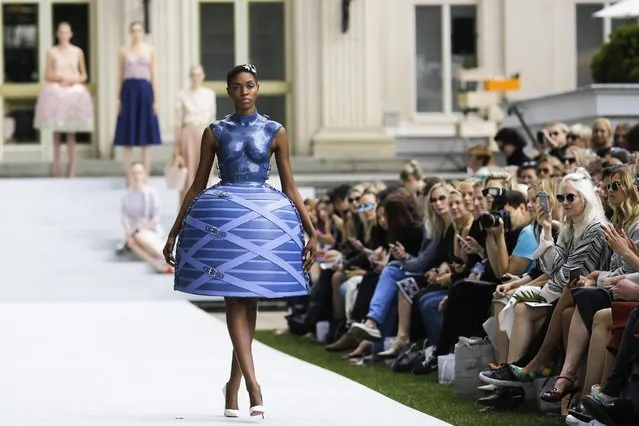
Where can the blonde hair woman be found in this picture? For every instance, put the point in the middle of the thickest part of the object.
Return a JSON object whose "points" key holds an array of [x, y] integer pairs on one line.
{"points": [[141, 208], [195, 110], [602, 136], [411, 177], [580, 245]]}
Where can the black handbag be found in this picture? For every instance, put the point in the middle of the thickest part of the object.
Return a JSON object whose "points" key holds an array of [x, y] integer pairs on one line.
{"points": [[411, 355]]}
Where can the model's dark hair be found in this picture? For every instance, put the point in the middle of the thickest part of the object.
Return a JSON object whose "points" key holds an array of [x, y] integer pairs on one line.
{"points": [[239, 69], [402, 215]]}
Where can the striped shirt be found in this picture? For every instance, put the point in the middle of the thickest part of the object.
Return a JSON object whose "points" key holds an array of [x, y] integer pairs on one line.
{"points": [[589, 253]]}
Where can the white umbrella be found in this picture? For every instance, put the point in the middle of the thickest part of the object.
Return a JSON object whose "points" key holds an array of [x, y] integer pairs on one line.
{"points": [[621, 9]]}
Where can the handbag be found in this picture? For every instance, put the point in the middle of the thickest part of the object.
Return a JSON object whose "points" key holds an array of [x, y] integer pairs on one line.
{"points": [[472, 356], [175, 175], [409, 357]]}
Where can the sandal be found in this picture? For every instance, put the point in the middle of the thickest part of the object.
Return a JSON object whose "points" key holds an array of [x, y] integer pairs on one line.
{"points": [[554, 395]]}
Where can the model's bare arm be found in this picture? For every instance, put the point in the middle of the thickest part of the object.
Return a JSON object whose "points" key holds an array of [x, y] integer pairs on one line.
{"points": [[289, 187], [208, 151]]}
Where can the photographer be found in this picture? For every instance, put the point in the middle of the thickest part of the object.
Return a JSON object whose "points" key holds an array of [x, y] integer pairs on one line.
{"points": [[508, 248], [509, 227]]}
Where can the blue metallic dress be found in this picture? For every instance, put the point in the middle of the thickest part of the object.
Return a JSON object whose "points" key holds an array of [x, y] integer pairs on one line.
{"points": [[242, 237]]}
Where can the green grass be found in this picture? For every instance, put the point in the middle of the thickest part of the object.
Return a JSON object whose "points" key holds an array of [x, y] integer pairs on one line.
{"points": [[418, 392]]}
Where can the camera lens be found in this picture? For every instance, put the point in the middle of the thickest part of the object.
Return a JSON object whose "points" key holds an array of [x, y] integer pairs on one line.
{"points": [[488, 220]]}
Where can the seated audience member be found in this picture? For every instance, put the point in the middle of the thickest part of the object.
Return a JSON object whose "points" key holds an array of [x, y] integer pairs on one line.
{"points": [[580, 246], [406, 236], [579, 136], [601, 140], [549, 166], [511, 144], [411, 177], [504, 304], [555, 140], [509, 247], [478, 160], [620, 138], [436, 287], [141, 221], [605, 403], [527, 172]]}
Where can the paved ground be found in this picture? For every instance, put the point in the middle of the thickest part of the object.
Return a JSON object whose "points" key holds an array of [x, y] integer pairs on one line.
{"points": [[87, 339]]}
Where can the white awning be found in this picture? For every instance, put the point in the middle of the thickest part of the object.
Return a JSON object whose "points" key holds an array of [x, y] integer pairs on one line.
{"points": [[621, 9]]}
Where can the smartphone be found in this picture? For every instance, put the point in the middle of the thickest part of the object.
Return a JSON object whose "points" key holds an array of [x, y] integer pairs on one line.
{"points": [[543, 202], [574, 275], [541, 137]]}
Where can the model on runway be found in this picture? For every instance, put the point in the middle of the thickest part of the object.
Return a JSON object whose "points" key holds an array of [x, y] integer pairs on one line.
{"points": [[242, 239]]}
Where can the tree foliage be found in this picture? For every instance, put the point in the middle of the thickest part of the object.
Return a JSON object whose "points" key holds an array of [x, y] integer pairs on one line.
{"points": [[617, 61]]}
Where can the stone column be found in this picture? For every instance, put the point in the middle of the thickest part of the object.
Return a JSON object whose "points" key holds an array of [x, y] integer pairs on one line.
{"points": [[351, 92], [112, 20], [306, 73]]}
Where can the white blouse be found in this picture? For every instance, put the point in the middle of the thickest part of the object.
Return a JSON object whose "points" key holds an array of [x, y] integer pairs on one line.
{"points": [[196, 108]]}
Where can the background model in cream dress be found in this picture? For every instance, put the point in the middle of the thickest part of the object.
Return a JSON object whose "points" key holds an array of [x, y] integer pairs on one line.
{"points": [[64, 105], [196, 109]]}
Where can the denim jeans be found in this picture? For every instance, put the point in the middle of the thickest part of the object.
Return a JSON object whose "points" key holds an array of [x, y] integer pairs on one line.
{"points": [[383, 307], [431, 317]]}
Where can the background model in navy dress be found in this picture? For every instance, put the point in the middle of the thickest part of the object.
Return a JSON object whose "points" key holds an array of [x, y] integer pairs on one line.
{"points": [[137, 123], [241, 237]]}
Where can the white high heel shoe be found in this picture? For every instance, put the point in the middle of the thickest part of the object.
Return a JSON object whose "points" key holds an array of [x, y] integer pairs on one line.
{"points": [[227, 411], [258, 410]]}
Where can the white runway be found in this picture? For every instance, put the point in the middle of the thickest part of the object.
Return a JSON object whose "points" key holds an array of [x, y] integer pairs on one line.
{"points": [[88, 340]]}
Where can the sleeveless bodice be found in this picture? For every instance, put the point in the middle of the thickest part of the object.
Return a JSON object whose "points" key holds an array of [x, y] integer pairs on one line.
{"points": [[137, 66], [244, 147]]}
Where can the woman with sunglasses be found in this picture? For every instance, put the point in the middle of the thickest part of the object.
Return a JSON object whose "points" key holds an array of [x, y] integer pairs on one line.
{"points": [[580, 245], [350, 272], [429, 299], [381, 317]]}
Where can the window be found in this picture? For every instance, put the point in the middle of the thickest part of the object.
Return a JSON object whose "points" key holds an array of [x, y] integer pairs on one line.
{"points": [[18, 122], [20, 47], [247, 31], [591, 34], [77, 15], [217, 39], [445, 41], [267, 40]]}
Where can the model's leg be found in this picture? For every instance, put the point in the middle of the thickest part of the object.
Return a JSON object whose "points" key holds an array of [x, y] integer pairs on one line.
{"points": [[71, 165], [57, 170], [501, 337], [146, 159], [597, 350], [238, 320], [128, 163], [233, 385], [553, 335]]}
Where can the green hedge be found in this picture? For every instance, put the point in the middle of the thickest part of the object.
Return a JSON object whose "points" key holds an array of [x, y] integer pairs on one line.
{"points": [[618, 60]]}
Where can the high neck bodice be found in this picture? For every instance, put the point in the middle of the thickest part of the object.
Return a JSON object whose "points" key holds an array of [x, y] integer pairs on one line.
{"points": [[244, 147]]}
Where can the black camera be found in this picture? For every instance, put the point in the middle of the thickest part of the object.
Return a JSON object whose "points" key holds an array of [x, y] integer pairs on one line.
{"points": [[491, 220]]}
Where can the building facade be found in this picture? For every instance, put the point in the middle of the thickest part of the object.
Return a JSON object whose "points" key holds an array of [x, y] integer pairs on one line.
{"points": [[340, 89]]}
